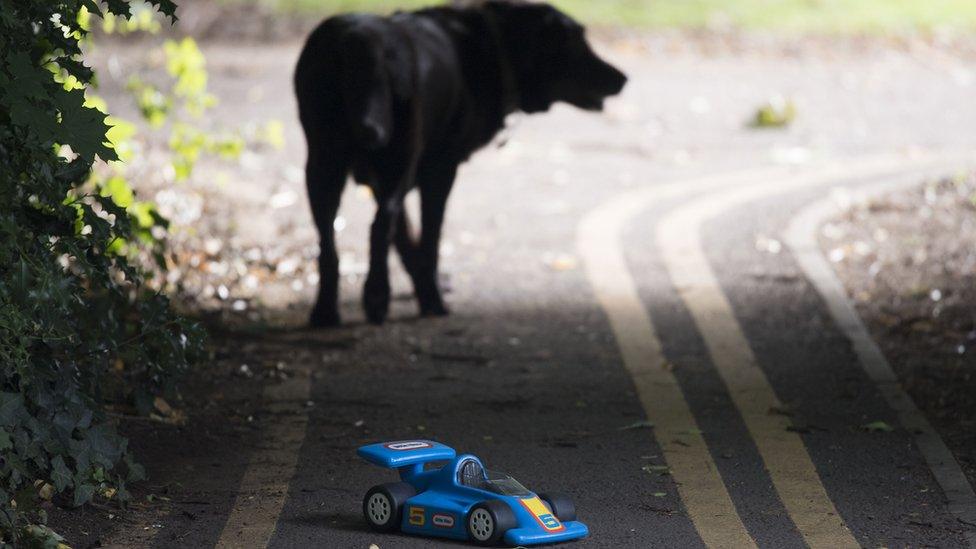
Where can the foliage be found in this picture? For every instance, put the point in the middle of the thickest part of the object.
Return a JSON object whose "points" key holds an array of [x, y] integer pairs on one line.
{"points": [[172, 108], [77, 325], [778, 112], [818, 16]]}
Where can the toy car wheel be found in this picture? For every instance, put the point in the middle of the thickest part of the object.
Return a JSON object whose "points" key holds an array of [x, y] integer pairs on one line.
{"points": [[383, 505], [488, 521], [561, 505]]}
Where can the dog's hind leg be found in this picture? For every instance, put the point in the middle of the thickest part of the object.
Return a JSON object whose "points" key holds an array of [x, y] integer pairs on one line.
{"points": [[436, 180], [406, 245], [389, 207], [325, 176]]}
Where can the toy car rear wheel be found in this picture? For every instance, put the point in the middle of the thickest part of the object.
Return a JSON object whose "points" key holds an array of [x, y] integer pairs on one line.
{"points": [[561, 505], [383, 505], [488, 521]]}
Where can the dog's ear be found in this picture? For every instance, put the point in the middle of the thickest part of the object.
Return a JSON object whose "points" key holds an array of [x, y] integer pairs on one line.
{"points": [[531, 33], [551, 58]]}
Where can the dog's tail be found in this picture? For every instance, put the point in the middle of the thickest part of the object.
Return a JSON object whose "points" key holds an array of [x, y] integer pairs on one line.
{"points": [[366, 92]]}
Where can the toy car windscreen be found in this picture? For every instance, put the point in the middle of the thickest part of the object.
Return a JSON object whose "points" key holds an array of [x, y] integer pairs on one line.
{"points": [[474, 475], [500, 483]]}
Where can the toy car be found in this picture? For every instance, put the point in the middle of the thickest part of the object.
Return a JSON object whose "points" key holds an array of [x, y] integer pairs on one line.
{"points": [[461, 499]]}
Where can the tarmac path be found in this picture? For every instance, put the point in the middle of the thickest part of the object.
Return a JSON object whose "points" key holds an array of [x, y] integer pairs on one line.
{"points": [[641, 320]]}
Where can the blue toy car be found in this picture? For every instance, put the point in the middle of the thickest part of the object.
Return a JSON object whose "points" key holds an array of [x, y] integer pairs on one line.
{"points": [[461, 499]]}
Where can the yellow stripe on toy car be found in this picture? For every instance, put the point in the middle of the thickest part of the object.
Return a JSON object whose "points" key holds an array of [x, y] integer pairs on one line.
{"points": [[542, 514]]}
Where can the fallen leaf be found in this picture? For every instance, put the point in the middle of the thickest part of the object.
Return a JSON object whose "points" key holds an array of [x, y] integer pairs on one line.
{"points": [[877, 427], [659, 469], [643, 424], [778, 112], [162, 406]]}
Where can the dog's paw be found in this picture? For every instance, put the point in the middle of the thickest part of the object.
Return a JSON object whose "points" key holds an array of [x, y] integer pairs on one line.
{"points": [[322, 318], [376, 311], [434, 309], [376, 301]]}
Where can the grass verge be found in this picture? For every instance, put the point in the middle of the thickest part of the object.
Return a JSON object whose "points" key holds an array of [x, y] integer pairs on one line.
{"points": [[787, 16]]}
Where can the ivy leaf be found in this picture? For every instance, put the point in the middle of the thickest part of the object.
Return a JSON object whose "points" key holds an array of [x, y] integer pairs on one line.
{"points": [[84, 128], [80, 451], [60, 474], [106, 445], [5, 442], [83, 493], [11, 409], [136, 471]]}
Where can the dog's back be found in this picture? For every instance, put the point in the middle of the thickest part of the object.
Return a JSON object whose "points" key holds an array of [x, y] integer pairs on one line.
{"points": [[341, 82]]}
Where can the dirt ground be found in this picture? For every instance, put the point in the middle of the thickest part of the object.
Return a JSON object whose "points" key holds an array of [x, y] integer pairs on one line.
{"points": [[909, 260]]}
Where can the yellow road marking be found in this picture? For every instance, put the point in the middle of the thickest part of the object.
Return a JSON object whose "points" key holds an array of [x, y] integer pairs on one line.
{"points": [[700, 486], [264, 487], [792, 472]]}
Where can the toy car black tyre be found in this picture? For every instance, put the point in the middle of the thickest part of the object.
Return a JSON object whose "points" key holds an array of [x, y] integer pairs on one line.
{"points": [[383, 505], [488, 521], [561, 505]]}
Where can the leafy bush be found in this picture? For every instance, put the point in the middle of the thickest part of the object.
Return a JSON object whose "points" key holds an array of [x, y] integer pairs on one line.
{"points": [[78, 327]]}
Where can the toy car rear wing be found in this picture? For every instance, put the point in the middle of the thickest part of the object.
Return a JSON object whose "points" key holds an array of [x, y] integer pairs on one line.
{"points": [[407, 456]]}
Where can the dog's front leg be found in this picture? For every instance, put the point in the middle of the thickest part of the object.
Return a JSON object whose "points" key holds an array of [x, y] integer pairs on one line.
{"points": [[326, 177]]}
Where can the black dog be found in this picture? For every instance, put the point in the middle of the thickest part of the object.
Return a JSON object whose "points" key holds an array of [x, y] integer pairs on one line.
{"points": [[401, 101]]}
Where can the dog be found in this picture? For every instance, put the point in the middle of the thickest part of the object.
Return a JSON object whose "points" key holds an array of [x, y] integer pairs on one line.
{"points": [[401, 101]]}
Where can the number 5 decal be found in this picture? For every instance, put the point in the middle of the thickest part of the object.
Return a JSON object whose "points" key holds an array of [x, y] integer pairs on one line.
{"points": [[417, 517]]}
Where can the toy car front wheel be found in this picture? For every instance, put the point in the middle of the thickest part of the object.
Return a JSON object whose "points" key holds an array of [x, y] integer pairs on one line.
{"points": [[383, 505], [561, 505], [488, 521]]}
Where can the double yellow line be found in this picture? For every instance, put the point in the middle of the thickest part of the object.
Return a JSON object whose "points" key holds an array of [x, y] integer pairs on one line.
{"points": [[788, 464]]}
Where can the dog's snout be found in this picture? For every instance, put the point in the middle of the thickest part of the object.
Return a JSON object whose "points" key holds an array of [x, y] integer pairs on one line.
{"points": [[617, 81], [620, 80]]}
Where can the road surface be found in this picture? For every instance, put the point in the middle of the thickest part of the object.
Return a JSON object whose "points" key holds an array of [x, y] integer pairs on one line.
{"points": [[639, 320]]}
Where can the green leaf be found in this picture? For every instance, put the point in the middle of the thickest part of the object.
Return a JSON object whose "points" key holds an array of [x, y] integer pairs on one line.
{"points": [[83, 493], [11, 409], [60, 474], [84, 128], [877, 427], [136, 471], [106, 445], [26, 79]]}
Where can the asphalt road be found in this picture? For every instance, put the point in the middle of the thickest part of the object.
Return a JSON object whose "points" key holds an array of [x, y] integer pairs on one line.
{"points": [[624, 299]]}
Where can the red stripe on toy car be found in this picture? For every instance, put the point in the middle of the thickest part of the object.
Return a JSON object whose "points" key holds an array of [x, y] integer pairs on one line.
{"points": [[542, 514]]}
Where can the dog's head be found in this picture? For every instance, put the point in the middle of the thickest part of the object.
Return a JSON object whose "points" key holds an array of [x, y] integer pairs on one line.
{"points": [[551, 59]]}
